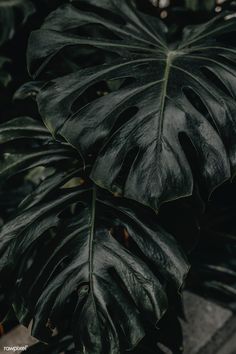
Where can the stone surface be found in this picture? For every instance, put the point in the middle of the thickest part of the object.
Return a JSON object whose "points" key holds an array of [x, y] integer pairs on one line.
{"points": [[18, 337], [229, 347], [223, 341], [204, 319]]}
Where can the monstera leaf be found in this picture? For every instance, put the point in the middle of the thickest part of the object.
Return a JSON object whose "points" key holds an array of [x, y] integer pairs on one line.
{"points": [[161, 95], [21, 158], [78, 259], [108, 292]]}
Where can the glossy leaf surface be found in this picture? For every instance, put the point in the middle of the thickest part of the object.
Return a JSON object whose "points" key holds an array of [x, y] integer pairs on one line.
{"points": [[100, 265], [164, 92]]}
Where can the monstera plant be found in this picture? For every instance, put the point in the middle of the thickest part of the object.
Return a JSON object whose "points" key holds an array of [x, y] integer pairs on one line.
{"points": [[134, 122]]}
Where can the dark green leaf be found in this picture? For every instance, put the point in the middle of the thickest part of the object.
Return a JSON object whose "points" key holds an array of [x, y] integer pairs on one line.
{"points": [[15, 163], [109, 292], [172, 91], [22, 128], [45, 151], [29, 89], [46, 187]]}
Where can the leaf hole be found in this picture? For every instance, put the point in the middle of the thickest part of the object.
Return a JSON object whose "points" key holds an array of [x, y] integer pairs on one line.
{"points": [[73, 182], [121, 234], [215, 80], [122, 176], [192, 157], [123, 118], [195, 99], [120, 83], [92, 93], [128, 82]]}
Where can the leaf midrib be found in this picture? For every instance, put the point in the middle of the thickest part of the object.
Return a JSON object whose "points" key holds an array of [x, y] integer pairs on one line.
{"points": [[169, 59], [91, 244]]}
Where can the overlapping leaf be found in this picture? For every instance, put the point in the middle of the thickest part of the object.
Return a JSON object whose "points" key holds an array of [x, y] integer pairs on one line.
{"points": [[169, 91], [115, 292], [22, 159], [73, 240]]}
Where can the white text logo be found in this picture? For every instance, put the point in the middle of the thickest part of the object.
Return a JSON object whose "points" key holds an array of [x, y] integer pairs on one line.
{"points": [[15, 348]]}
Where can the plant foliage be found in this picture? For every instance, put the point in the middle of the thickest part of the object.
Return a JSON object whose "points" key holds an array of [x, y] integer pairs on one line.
{"points": [[108, 292], [141, 156], [129, 113]]}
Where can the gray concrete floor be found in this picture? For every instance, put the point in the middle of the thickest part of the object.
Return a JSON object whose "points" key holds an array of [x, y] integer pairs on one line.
{"points": [[204, 320], [20, 336]]}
